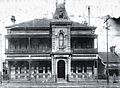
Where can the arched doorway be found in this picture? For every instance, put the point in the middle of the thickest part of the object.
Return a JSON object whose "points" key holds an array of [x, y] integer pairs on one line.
{"points": [[61, 69]]}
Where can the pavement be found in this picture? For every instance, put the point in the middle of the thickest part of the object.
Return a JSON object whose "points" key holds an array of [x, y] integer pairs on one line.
{"points": [[82, 84]]}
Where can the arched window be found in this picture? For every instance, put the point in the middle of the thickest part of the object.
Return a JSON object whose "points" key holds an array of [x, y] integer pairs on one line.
{"points": [[61, 40]]}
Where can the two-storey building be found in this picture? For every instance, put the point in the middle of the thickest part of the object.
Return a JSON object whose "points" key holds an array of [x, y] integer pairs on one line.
{"points": [[51, 49]]}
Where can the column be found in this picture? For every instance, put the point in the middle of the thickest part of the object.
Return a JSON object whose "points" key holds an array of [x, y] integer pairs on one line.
{"points": [[29, 42], [95, 43], [52, 63], [54, 67], [6, 43], [69, 66]]}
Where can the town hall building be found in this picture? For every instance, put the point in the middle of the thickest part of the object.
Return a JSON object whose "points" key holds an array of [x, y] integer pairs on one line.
{"points": [[52, 49]]}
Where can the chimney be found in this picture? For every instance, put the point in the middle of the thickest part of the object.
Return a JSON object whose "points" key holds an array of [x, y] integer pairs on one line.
{"points": [[88, 15], [112, 49], [56, 3], [64, 2], [13, 19]]}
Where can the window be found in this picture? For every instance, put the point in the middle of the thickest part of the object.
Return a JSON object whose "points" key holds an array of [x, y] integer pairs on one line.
{"points": [[61, 40]]}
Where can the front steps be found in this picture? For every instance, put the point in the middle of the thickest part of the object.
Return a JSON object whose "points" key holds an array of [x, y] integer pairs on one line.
{"points": [[61, 80]]}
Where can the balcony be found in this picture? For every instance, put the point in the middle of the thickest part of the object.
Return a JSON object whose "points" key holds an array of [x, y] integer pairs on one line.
{"points": [[85, 51], [27, 51]]}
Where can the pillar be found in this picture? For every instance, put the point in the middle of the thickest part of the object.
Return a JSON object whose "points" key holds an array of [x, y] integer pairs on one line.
{"points": [[69, 67], [29, 42], [55, 69], [52, 63], [6, 43], [54, 66], [95, 43]]}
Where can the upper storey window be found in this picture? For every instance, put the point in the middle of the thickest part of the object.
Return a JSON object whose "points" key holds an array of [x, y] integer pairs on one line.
{"points": [[61, 15], [61, 39]]}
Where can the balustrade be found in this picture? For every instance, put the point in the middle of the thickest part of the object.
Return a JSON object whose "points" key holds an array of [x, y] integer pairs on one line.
{"points": [[81, 73], [23, 73], [12, 72]]}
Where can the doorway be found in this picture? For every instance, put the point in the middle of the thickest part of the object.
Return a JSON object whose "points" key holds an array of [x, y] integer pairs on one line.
{"points": [[61, 69]]}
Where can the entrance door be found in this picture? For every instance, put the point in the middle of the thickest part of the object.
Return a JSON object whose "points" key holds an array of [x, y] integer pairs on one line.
{"points": [[61, 69]]}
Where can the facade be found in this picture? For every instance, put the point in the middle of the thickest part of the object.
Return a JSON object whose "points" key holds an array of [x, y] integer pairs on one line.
{"points": [[50, 49]]}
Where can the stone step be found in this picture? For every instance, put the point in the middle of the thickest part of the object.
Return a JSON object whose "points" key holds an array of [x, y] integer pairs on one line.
{"points": [[61, 80]]}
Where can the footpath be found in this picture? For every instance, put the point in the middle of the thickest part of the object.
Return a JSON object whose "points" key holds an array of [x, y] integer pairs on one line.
{"points": [[37, 84]]}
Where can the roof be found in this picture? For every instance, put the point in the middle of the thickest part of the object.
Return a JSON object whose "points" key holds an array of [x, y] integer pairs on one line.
{"points": [[77, 24], [60, 14], [32, 23], [112, 57], [44, 23]]}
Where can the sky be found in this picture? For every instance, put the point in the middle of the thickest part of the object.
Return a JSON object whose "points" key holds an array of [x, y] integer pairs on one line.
{"points": [[25, 10]]}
